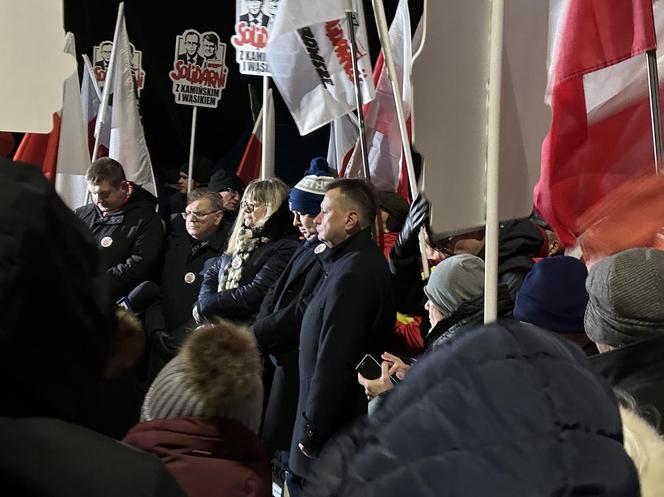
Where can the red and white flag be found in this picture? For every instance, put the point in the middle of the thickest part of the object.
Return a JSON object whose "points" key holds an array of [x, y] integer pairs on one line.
{"points": [[127, 138], [250, 165], [600, 133], [343, 138], [310, 60], [63, 153], [384, 148]]}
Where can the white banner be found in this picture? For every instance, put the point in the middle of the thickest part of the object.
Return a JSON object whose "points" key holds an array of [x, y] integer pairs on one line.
{"points": [[311, 63]]}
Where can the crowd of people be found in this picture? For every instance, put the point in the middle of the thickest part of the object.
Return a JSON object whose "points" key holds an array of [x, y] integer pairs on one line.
{"points": [[225, 340]]}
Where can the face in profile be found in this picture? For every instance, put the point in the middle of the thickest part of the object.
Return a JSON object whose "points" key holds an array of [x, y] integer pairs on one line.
{"points": [[253, 211], [305, 224], [231, 199], [331, 222]]}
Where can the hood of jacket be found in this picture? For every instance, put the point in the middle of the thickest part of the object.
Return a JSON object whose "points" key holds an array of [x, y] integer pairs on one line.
{"points": [[505, 409]]}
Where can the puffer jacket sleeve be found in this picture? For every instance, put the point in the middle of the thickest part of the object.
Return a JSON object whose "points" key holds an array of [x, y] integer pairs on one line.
{"points": [[244, 301], [210, 284]]}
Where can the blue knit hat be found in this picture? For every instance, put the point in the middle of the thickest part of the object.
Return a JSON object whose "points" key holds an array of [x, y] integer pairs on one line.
{"points": [[553, 295], [306, 196]]}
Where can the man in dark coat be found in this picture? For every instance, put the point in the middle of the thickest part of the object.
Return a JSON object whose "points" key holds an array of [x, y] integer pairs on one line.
{"points": [[625, 319], [505, 409], [188, 256], [124, 223], [277, 326], [352, 313]]}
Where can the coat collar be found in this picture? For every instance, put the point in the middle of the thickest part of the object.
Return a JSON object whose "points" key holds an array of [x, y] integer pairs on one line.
{"points": [[357, 242]]}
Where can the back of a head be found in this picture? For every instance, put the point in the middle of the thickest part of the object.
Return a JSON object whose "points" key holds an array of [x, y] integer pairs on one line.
{"points": [[396, 208], [360, 195], [54, 327], [553, 295], [217, 373], [626, 297], [505, 409], [455, 281], [105, 169]]}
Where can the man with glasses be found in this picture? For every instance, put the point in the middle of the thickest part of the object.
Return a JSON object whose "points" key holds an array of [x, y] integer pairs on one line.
{"points": [[187, 258], [192, 42], [123, 221]]}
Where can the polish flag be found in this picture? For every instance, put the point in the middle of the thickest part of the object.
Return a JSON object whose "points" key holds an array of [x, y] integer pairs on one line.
{"points": [[343, 138], [250, 165], [127, 137], [62, 154], [600, 133]]}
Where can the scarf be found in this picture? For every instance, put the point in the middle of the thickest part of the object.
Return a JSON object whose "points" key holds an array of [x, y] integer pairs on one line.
{"points": [[248, 241]]}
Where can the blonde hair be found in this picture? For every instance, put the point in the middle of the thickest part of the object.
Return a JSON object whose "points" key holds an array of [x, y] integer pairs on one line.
{"points": [[272, 192]]}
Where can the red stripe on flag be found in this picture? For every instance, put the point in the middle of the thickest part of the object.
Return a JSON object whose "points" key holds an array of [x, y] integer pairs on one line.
{"points": [[41, 149], [580, 163]]}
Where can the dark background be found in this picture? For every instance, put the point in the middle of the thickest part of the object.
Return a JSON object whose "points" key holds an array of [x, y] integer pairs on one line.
{"points": [[222, 132]]}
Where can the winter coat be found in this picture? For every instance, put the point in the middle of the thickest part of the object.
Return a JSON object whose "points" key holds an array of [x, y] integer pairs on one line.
{"points": [[351, 314], [129, 240], [51, 458], [209, 457], [261, 270], [182, 275], [638, 370], [277, 331], [506, 409]]}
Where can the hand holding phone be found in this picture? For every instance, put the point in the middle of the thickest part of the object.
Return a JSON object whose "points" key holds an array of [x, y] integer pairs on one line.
{"points": [[369, 368]]}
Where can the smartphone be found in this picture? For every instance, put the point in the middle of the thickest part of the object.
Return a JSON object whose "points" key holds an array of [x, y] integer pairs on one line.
{"points": [[369, 368]]}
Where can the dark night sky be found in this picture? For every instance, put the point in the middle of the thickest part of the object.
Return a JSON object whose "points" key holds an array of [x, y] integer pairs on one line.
{"points": [[168, 125]]}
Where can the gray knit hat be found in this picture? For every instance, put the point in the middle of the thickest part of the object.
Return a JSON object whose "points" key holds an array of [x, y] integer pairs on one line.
{"points": [[217, 373], [456, 280], [626, 293]]}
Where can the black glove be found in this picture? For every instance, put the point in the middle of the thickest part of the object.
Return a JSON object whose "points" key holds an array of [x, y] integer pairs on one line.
{"points": [[418, 216]]}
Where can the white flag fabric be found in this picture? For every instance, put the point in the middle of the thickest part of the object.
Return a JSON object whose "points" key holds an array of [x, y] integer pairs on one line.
{"points": [[311, 63], [343, 138], [127, 142], [73, 156]]}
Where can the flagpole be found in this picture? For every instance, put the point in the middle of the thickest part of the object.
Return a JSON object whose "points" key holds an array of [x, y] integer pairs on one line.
{"points": [[190, 172], [493, 163], [106, 95], [655, 116], [264, 131], [358, 91], [388, 56]]}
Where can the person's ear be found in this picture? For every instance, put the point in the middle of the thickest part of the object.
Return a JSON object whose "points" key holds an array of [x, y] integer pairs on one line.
{"points": [[218, 217], [352, 220]]}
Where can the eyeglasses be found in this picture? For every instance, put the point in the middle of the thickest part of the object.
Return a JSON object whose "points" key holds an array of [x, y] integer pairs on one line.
{"points": [[249, 207], [232, 191], [197, 215]]}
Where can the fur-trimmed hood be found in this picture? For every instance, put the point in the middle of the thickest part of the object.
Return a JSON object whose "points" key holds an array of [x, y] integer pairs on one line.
{"points": [[646, 448]]}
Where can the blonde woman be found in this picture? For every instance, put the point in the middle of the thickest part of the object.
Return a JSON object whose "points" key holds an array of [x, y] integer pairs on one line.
{"points": [[259, 248]]}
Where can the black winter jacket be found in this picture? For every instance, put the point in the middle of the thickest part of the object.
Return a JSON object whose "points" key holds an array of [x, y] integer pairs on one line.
{"points": [[129, 240], [507, 409], [638, 370], [261, 271]]}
